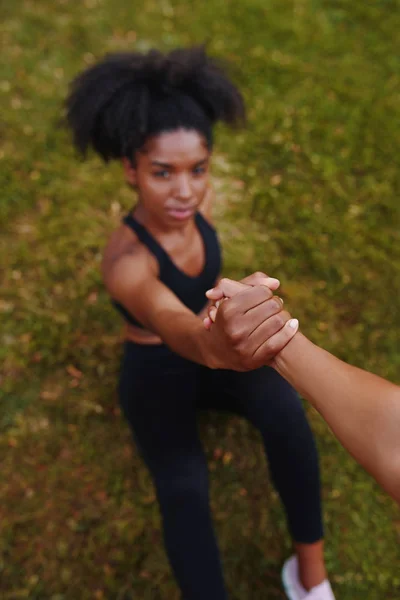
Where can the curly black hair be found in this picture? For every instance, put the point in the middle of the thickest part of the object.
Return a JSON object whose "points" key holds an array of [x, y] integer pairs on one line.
{"points": [[115, 105]]}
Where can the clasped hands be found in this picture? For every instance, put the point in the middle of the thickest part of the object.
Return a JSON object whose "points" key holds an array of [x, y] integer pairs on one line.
{"points": [[249, 320]]}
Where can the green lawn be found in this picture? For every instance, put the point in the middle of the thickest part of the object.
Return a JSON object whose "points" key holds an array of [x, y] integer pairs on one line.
{"points": [[309, 193]]}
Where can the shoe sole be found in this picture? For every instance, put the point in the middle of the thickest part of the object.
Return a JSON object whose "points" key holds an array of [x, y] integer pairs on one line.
{"points": [[286, 587]]}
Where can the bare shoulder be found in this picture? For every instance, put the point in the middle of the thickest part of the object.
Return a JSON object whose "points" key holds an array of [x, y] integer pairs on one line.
{"points": [[125, 259]]}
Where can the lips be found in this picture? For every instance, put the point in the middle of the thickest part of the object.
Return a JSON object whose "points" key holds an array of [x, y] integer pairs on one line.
{"points": [[181, 214]]}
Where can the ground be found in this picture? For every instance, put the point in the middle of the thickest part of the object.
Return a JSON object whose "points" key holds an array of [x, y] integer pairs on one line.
{"points": [[308, 192]]}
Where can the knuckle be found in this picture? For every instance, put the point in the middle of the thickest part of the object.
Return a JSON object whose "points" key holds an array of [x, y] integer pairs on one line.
{"points": [[229, 310], [269, 348], [266, 292], [236, 336], [276, 344], [276, 304], [279, 321], [272, 342], [225, 310]]}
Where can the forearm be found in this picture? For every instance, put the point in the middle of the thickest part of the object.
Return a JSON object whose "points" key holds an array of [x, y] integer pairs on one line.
{"points": [[185, 335], [363, 410]]}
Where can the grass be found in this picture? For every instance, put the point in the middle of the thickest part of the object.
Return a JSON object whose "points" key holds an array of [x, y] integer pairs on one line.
{"points": [[309, 192]]}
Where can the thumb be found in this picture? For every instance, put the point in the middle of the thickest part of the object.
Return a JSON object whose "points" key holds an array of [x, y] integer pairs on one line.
{"points": [[270, 282], [228, 287], [259, 278]]}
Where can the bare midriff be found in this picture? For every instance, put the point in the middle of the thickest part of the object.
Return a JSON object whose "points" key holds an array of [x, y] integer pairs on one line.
{"points": [[146, 337]]}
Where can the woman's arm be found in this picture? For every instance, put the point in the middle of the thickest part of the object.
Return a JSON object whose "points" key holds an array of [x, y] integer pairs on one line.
{"points": [[363, 410], [133, 282]]}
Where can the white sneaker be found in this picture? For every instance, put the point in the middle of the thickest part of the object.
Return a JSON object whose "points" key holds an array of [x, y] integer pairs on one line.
{"points": [[295, 591]]}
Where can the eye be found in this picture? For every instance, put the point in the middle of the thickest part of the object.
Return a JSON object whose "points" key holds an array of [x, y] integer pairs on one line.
{"points": [[164, 174], [199, 170]]}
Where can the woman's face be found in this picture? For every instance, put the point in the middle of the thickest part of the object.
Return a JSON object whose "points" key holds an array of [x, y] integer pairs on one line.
{"points": [[171, 174]]}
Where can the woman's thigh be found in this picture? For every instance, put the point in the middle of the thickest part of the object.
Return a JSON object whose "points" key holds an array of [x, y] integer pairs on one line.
{"points": [[157, 392], [262, 396]]}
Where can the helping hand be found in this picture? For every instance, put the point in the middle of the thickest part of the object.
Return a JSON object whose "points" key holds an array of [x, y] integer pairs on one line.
{"points": [[251, 318]]}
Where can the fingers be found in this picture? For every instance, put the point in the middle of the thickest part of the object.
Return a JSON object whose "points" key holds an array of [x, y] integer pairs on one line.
{"points": [[226, 287], [229, 288], [212, 313], [269, 327], [256, 326], [258, 315], [253, 278], [274, 344], [271, 282], [207, 322], [245, 300], [212, 310], [260, 278]]}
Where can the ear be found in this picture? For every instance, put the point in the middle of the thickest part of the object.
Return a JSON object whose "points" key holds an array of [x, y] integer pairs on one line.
{"points": [[130, 171]]}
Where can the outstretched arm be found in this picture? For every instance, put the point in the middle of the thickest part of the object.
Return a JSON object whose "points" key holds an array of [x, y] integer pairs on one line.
{"points": [[363, 410], [133, 282]]}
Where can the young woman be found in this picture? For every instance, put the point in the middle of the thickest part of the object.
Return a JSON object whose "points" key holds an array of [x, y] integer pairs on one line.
{"points": [[155, 113]]}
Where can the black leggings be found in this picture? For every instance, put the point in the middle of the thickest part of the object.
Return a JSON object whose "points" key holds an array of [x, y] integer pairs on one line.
{"points": [[160, 395]]}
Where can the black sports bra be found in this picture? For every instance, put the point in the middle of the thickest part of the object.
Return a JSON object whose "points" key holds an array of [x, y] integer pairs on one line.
{"points": [[190, 290]]}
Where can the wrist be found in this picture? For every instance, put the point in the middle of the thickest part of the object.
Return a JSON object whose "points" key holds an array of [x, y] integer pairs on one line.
{"points": [[284, 359], [206, 348], [211, 356]]}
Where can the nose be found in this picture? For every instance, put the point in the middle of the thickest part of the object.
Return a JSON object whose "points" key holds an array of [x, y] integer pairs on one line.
{"points": [[183, 187]]}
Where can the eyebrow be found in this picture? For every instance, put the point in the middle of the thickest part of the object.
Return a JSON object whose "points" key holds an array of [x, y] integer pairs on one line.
{"points": [[157, 163]]}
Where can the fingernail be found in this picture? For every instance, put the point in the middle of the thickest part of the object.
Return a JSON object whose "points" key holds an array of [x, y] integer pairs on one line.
{"points": [[210, 291], [293, 323], [213, 314]]}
